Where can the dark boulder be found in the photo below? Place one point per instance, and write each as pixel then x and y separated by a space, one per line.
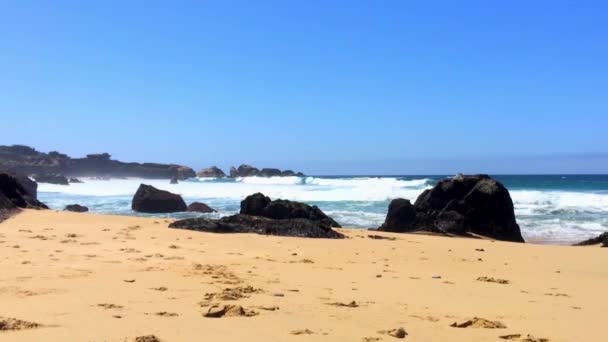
pixel 149 199
pixel 259 225
pixel 52 179
pixel 18 192
pixel 244 170
pixel 211 172
pixel 602 238
pixel 75 180
pixel 270 172
pixel 400 218
pixel 200 208
pixel 77 208
pixel 463 205
pixel 260 205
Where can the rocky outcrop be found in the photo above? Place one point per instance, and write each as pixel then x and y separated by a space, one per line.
pixel 249 171
pixel 75 180
pixel 463 205
pixel 77 208
pixel 260 205
pixel 211 172
pixel 18 192
pixel 200 208
pixel 259 225
pixel 149 199
pixel 26 160
pixel 52 179
pixel 600 239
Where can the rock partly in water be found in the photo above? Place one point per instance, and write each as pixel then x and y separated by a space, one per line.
pixel 600 239
pixel 239 223
pixel 200 208
pixel 211 172
pixel 149 199
pixel 52 179
pixel 463 205
pixel 75 180
pixel 77 208
pixel 18 192
pixel 173 180
pixel 260 205
pixel 245 170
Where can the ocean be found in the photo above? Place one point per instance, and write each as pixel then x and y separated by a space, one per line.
pixel 555 209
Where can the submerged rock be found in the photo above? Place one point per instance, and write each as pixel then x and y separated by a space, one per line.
pixel 52 179
pixel 200 208
pixel 77 208
pixel 211 172
pixel 75 180
pixel 239 223
pixel 18 192
pixel 462 205
pixel 149 199
pixel 260 205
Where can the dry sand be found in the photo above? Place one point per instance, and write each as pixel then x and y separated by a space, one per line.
pixel 86 277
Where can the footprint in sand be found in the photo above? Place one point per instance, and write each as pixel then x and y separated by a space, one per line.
pixel 229 311
pixel 520 338
pixel 302 332
pixel 397 333
pixel 477 322
pixel 147 338
pixel 16 324
pixel 352 304
pixel 493 280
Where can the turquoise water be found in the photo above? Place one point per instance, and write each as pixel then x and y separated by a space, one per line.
pixel 549 208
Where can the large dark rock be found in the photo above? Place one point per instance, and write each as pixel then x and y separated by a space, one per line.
pixel 149 199
pixel 200 208
pixel 211 172
pixel 463 205
pixel 26 160
pixel 249 171
pixel 75 180
pixel 401 217
pixel 260 205
pixel 52 179
pixel 602 238
pixel 18 192
pixel 259 225
pixel 77 208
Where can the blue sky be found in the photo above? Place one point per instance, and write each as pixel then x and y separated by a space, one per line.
pixel 327 87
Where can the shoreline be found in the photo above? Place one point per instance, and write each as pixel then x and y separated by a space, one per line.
pixel 79 274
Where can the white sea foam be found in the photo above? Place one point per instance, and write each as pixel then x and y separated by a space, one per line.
pixel 354 201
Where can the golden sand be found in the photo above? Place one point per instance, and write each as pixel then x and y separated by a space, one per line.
pixel 86 277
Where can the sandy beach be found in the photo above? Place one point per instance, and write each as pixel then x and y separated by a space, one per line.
pixel 88 277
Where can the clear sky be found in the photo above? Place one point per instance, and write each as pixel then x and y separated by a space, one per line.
pixel 326 87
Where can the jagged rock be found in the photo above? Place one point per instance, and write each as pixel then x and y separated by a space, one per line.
pixel 260 205
pixel 77 208
pixel 259 225
pixel 52 179
pixel 26 160
pixel 244 170
pixel 75 180
pixel 149 199
pixel 462 205
pixel 602 238
pixel 211 172
pixel 200 208
pixel 400 218
pixel 18 192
